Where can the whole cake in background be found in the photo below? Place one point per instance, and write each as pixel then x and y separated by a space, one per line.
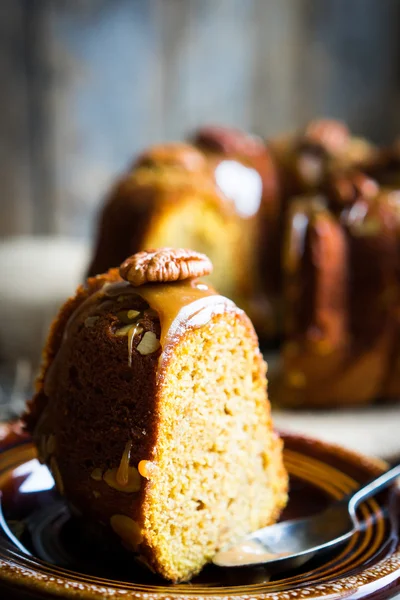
pixel 304 232
pixel 341 260
pixel 170 197
pixel 152 414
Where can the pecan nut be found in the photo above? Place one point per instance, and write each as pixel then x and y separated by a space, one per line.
pixel 164 265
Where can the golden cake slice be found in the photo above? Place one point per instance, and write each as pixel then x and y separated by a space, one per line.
pixel 152 413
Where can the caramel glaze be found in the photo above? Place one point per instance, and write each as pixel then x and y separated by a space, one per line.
pixel 133 332
pixel 341 327
pixel 179 305
pixel 122 476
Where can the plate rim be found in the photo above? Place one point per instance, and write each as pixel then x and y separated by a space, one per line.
pixel 379 578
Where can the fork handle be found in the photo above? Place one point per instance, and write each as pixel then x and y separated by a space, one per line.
pixel 371 488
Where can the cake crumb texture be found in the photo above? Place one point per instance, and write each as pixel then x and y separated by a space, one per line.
pixel 171 453
pixel 220 473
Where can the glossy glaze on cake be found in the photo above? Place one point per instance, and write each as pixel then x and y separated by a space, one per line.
pixel 151 412
pixel 320 187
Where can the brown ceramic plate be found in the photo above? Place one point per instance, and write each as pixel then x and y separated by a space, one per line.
pixel 46 553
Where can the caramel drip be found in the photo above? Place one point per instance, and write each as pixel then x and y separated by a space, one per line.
pixel 133 332
pixel 300 217
pixel 147 468
pixel 122 475
pixel 131 484
pixel 178 304
pixel 295 242
pixel 168 300
pixel 128 530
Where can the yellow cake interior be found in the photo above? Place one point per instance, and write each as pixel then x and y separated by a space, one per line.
pixel 219 469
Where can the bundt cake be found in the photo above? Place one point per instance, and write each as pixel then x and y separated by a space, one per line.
pixel 152 414
pixel 340 266
pixel 218 197
pixel 238 162
pixel 170 195
pixel 310 260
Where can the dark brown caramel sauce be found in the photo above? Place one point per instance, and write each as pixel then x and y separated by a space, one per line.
pixel 122 475
pixel 171 301
pixel 179 305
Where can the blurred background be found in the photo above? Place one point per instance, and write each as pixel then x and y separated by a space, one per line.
pixel 85 84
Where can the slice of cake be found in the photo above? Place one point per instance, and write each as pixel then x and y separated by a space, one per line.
pixel 152 413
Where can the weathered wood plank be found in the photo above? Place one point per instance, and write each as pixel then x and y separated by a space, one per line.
pixel 16 206
pixel 85 84
pixel 105 102
pixel 206 62
pixel 277 96
pixel 351 61
pixel 42 73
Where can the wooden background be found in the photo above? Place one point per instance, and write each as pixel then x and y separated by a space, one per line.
pixel 84 84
